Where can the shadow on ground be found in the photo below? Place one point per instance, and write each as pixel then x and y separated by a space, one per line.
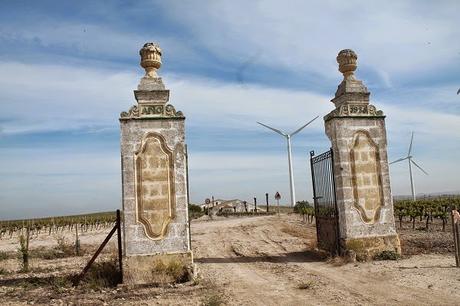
pixel 304 256
pixel 35 281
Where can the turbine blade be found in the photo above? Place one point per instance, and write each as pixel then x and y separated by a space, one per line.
pixel 398 160
pixel 301 128
pixel 273 129
pixel 410 146
pixel 418 166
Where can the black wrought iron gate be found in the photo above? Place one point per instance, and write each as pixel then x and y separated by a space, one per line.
pixel 326 215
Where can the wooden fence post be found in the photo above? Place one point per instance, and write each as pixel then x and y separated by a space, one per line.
pixel 77 241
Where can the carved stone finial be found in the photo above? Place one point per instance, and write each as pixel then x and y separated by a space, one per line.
pixel 150 59
pixel 350 90
pixel 347 63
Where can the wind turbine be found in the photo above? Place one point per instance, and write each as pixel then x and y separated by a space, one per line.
pixel 288 139
pixel 410 160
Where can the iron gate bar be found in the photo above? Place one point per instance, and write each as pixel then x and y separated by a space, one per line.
pixel 312 153
pixel 337 229
pixel 324 196
pixel 325 183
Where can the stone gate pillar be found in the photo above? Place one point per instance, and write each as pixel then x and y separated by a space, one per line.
pixel 358 135
pixel 154 179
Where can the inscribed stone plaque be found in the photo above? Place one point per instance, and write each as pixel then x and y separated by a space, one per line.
pixel 155 193
pixel 366 177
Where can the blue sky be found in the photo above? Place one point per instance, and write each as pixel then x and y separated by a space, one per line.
pixel 67 69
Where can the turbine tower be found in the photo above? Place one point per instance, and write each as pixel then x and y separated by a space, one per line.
pixel 288 139
pixel 410 160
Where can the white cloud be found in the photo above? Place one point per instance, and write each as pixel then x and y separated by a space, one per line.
pixel 50 97
pixel 400 38
pixel 75 42
pixel 211 103
pixel 437 125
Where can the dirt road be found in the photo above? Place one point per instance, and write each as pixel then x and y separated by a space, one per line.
pixel 266 260
pixel 243 261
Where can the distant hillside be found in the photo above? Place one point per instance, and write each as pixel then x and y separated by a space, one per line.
pixel 429 195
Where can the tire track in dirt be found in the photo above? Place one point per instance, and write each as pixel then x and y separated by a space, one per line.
pixel 256 261
pixel 249 284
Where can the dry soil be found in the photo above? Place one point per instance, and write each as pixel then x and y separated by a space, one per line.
pixel 251 261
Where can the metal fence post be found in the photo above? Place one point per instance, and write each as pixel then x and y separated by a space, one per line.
pixel 266 199
pixel 188 199
pixel 120 261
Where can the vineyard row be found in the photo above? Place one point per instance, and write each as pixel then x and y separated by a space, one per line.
pixel 423 210
pixel 58 224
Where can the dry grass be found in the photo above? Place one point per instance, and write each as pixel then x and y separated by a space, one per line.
pixel 4 255
pixel 102 274
pixel 213 299
pixel 51 253
pixel 63 249
pixel 57 284
pixel 63 245
pixel 170 271
pixel 387 255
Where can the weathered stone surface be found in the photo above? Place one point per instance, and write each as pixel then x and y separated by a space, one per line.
pixel 152 110
pixel 152 96
pixel 366 177
pixel 346 108
pixel 342 133
pixel 133 132
pixel 145 269
pixel 150 60
pixel 350 90
pixel 155 203
pixel 359 143
pixel 367 248
pixel 150 84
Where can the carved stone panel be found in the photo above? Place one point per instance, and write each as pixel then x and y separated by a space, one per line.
pixel 366 177
pixel 155 195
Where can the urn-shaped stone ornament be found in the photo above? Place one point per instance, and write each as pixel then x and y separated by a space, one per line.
pixel 347 63
pixel 150 59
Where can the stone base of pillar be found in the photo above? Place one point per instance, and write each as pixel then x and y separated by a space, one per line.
pixel 158 268
pixel 366 248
